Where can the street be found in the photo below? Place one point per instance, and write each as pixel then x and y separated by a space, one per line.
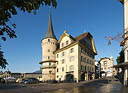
pixel 95 86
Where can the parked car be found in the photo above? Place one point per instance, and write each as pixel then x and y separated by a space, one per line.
pixel 2 80
pixel 20 80
pixel 10 80
pixel 31 81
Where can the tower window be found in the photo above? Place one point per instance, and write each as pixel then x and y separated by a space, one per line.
pixel 48 50
pixel 50 72
pixel 48 40
pixel 48 57
pixel 57 70
pixel 49 63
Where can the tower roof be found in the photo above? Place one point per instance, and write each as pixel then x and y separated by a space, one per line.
pixel 50 32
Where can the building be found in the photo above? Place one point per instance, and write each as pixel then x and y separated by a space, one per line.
pixel 106 65
pixel 124 43
pixel 19 75
pixel 69 58
pixel 97 69
pixel 32 75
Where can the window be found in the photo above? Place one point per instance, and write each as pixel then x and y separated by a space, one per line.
pixel 71 58
pixel 57 55
pixel 57 76
pixel 72 50
pixel 81 67
pixel 101 68
pixel 49 63
pixel 71 68
pixel 50 72
pixel 48 40
pixel 62 45
pixel 87 60
pixel 63 54
pixel 85 67
pixel 48 50
pixel 90 62
pixel 88 68
pixel 57 70
pixel 62 69
pixel 48 57
pixel 81 50
pixel 66 42
pixel 63 61
pixel 81 58
pixel 127 54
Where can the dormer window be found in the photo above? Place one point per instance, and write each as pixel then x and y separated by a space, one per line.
pixel 66 42
pixel 62 45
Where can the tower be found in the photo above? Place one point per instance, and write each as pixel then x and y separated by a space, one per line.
pixel 49 45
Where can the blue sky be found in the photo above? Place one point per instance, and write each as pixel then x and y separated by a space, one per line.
pixel 99 17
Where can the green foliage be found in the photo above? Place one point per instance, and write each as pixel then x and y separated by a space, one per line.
pixel 3 61
pixel 8 8
pixel 120 59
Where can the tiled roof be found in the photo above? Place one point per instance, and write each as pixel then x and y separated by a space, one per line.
pixel 50 32
pixel 81 36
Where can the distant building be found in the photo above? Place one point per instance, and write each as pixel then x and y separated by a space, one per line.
pixel 97 69
pixel 32 75
pixel 106 65
pixel 20 75
pixel 69 58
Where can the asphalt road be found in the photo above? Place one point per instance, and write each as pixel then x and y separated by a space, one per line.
pixel 99 86
pixel 96 86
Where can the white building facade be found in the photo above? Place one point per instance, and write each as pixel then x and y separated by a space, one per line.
pixel 106 66
pixel 69 58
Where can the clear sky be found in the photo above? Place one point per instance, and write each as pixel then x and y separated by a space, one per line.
pixel 99 17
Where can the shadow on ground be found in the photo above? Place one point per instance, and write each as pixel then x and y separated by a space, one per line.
pixel 10 86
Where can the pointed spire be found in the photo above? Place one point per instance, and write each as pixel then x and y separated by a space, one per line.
pixel 50 33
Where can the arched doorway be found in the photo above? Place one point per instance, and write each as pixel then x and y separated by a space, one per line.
pixel 69 77
pixel 102 74
pixel 83 76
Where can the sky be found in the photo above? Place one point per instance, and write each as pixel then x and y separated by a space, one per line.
pixel 99 17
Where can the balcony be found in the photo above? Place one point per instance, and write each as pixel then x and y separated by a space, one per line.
pixel 48 66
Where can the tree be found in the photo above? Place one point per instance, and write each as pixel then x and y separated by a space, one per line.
pixel 3 61
pixel 8 8
pixel 120 59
